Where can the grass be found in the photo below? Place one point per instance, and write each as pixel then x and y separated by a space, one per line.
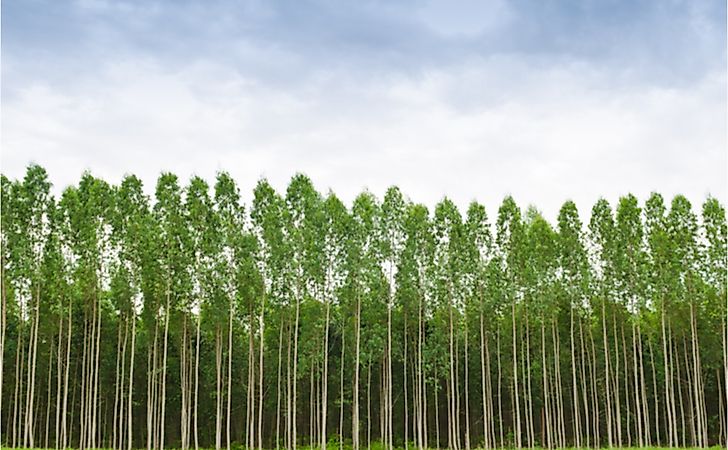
pixel 333 445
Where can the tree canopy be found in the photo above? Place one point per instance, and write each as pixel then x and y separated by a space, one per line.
pixel 191 320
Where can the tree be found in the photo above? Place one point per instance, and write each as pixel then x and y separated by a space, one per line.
pixel 574 282
pixel 261 330
pixel 415 291
pixel 509 237
pixel 363 270
pixel 392 234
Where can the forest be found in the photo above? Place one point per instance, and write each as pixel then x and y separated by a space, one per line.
pixel 187 319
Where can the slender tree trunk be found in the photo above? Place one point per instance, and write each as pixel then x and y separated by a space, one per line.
pixel 183 384
pixel 574 388
pixel 389 406
pixel 261 327
pixel 295 373
pixel 369 405
pixel 164 373
pixel 32 358
pixel 617 402
pixel 324 384
pixel 129 443
pixel 355 391
pixel 229 371
pixel 725 360
pixel 702 431
pixel 607 382
pixel 486 418
pixel 18 392
pixel 437 415
pixel 59 378
pixel 48 393
pixel 500 388
pixel 64 429
pixel 548 437
pixel 3 327
pixel 341 395
pixel 637 390
pixel 655 393
pixel 452 382
pixel 627 397
pixel 466 388
pixel 114 442
pixel 96 398
pixel 218 389
pixel 643 386
pixel 529 396
pixel 595 391
pixel 516 401
pixel 278 384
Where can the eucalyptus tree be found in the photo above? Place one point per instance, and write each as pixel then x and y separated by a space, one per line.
pixel 415 294
pixel 540 277
pixel 713 267
pixel 335 234
pixel 683 229
pixel 50 320
pixel 87 217
pixel 392 233
pixel 269 216
pixel 240 248
pixel 131 223
pixel 478 259
pixel 202 227
pixel 509 240
pixel 122 296
pixel 68 241
pixel 602 234
pixel 309 246
pixel 449 277
pixel 302 202
pixel 630 264
pixel 32 215
pixel 363 278
pixel 10 236
pixel 174 289
pixel 574 277
pixel 373 317
pixel 661 283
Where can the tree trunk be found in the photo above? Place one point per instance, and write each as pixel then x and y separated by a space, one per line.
pixel 260 374
pixel 341 395
pixel 324 384
pixel 607 382
pixel 355 391
pixel 129 444
pixel 516 401
pixel 229 372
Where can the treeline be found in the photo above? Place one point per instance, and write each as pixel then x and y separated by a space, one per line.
pixel 192 320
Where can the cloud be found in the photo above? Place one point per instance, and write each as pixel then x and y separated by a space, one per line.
pixel 488 128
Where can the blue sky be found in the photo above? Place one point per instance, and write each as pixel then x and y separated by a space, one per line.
pixel 544 100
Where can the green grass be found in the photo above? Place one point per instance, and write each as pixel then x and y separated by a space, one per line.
pixel 333 445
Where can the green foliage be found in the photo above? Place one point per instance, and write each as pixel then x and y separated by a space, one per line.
pixel 613 332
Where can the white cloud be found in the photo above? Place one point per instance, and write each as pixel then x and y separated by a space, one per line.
pixel 479 131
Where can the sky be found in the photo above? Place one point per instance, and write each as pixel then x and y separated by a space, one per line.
pixel 543 100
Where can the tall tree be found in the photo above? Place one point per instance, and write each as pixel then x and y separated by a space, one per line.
pixel 392 234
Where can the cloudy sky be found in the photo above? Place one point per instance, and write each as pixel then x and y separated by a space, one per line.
pixel 544 100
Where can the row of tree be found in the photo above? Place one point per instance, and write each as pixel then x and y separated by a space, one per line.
pixel 191 321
